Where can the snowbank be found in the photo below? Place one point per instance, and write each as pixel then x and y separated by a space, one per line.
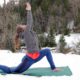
pixel 70 40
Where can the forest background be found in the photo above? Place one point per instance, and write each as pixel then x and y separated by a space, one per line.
pixel 51 17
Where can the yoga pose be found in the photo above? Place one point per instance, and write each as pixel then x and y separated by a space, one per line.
pixel 33 54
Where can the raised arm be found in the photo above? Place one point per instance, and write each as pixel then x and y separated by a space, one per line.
pixel 29 16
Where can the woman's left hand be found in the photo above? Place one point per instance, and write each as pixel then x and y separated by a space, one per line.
pixel 28 6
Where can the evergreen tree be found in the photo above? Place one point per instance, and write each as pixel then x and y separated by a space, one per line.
pixel 62 44
pixel 65 29
pixel 41 40
pixel 50 42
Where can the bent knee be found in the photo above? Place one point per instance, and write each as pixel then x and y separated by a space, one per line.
pixel 46 50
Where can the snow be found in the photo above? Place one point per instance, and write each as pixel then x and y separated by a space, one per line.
pixel 2 2
pixel 72 60
pixel 70 40
pixel 60 59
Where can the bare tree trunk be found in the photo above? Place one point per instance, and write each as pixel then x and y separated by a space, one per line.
pixel 5 24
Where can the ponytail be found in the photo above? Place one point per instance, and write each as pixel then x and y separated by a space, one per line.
pixel 16 42
pixel 17 39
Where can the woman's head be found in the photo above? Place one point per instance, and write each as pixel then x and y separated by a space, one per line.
pixel 19 30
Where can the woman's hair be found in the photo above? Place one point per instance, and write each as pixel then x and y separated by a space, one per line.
pixel 19 29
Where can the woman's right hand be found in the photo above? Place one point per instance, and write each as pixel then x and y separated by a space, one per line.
pixel 28 6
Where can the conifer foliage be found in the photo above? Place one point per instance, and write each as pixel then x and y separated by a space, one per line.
pixel 62 44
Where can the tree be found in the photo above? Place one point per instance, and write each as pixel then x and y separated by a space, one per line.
pixel 8 21
pixel 62 44
pixel 51 38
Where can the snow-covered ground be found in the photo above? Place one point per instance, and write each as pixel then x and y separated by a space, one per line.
pixel 72 60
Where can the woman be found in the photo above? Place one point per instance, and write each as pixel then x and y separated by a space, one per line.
pixel 34 54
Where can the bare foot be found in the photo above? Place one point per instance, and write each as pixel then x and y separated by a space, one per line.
pixel 56 69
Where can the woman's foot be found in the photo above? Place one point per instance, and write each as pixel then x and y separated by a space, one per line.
pixel 56 69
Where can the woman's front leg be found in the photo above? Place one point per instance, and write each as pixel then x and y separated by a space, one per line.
pixel 47 53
